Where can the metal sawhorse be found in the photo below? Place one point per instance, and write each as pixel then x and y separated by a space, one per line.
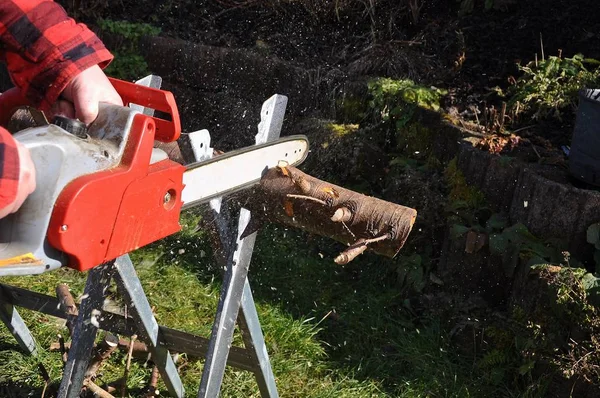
pixel 235 255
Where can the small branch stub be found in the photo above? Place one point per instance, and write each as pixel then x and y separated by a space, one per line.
pixel 352 252
pixel 343 214
pixel 304 197
pixel 358 248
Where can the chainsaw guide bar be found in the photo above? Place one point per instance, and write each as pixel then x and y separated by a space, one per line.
pixel 237 170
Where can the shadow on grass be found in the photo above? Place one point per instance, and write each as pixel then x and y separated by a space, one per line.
pixel 14 390
pixel 364 321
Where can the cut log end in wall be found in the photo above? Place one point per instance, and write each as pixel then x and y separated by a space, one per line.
pixel 289 196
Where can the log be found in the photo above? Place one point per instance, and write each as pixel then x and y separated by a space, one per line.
pixel 287 195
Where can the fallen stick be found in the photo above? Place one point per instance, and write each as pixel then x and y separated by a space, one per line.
pixel 97 390
pixel 289 196
pixel 152 392
pixel 67 305
pixel 103 350
pixel 127 367
pixel 140 350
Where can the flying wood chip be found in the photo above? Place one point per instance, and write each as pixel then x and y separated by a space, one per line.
pixel 331 192
pixel 289 208
pixel 282 165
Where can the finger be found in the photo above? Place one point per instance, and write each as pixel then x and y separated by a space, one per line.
pixel 63 108
pixel 86 109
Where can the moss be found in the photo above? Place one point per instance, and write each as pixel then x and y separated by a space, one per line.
pixel 351 108
pixel 459 189
pixel 342 130
pixel 415 138
pixel 450 119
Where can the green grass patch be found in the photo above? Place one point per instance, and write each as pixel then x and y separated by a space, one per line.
pixel 331 331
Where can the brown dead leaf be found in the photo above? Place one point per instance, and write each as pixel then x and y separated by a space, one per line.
pixel 475 241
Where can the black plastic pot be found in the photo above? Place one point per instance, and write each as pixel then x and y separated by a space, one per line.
pixel 584 156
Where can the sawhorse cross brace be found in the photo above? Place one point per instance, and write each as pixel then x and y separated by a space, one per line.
pixel 236 294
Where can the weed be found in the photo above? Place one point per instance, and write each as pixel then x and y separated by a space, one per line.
pixel 397 100
pixel 549 87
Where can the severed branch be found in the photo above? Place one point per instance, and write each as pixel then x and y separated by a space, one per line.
pixel 289 196
pixel 97 390
pixel 152 390
pixel 127 366
pixel 67 305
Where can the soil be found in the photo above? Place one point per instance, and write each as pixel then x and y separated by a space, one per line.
pixel 466 54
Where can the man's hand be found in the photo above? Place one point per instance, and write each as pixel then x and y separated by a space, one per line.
pixel 84 92
pixel 26 181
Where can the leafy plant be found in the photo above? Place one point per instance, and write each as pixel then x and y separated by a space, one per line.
pixel 129 30
pixel 550 86
pixel 397 100
pixel 411 272
pixel 128 63
pixel 517 243
pixel 593 237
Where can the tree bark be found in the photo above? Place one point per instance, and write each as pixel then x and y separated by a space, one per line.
pixel 289 196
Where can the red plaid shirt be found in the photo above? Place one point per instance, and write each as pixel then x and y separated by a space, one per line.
pixel 43 49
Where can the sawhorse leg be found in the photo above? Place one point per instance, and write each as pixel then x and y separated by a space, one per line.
pixel 236 290
pixel 86 326
pixel 235 293
pixel 254 342
pixel 132 292
pixel 85 330
pixel 15 324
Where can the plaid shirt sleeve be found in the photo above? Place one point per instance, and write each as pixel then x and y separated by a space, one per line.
pixel 44 48
pixel 9 169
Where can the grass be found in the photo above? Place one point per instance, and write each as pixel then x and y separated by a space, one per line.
pixel 331 331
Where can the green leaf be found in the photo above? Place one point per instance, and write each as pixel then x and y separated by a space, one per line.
pixel 415 279
pixel 496 222
pixel 510 260
pixel 498 244
pixel 593 234
pixel 526 368
pixel 458 230
pixel 538 249
pixel 591 284
pixel 536 262
pixel 519 232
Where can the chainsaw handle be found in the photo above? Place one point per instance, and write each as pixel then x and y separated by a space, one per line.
pixel 131 93
pixel 153 98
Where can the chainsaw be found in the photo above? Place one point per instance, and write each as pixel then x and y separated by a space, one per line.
pixel 104 190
